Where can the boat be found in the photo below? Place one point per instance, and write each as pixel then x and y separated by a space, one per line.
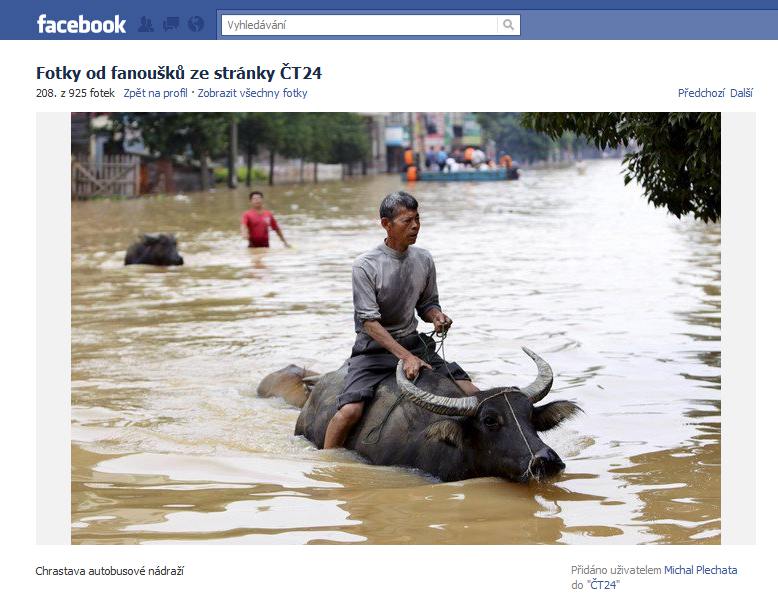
pixel 499 174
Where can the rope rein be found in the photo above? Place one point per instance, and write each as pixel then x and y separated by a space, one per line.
pixel 379 428
pixel 439 347
pixel 528 471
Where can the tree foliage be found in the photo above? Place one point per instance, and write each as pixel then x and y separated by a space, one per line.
pixel 327 137
pixel 332 138
pixel 341 137
pixel 525 144
pixel 678 160
pixel 168 134
pixel 202 135
pixel 252 129
pixel 521 143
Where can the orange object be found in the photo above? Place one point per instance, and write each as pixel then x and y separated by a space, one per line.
pixel 408 157
pixel 411 174
pixel 468 154
pixel 506 161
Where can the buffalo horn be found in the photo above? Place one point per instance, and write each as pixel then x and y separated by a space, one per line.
pixel 542 384
pixel 447 406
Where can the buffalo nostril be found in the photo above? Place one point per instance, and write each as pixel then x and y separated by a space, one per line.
pixel 546 462
pixel 548 454
pixel 542 467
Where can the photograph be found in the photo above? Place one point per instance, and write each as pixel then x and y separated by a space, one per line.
pixel 391 328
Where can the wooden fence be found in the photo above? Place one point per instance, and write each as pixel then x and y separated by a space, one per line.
pixel 112 176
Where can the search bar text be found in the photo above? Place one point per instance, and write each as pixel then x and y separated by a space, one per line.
pixel 329 25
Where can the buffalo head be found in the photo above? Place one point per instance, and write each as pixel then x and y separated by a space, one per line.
pixel 497 430
pixel 158 250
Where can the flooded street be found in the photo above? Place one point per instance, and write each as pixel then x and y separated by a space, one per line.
pixel 171 445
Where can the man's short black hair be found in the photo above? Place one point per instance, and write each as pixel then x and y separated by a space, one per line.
pixel 396 200
pixel 257 193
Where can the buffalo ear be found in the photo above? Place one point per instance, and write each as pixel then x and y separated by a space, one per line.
pixel 552 414
pixel 446 431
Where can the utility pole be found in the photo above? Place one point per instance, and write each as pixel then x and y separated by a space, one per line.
pixel 233 154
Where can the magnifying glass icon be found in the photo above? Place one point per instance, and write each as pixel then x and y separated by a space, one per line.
pixel 508 24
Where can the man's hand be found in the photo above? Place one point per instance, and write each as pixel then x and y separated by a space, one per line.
pixel 441 322
pixel 412 365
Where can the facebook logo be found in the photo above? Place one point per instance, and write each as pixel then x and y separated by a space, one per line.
pixel 81 25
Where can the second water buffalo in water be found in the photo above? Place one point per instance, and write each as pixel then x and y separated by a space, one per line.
pixel 428 424
pixel 157 250
pixel 292 383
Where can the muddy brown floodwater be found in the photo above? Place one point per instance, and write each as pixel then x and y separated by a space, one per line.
pixel 171 444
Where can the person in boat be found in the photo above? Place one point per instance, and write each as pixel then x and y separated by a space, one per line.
pixel 430 158
pixel 408 159
pixel 441 158
pixel 477 158
pixel 467 157
pixel 392 283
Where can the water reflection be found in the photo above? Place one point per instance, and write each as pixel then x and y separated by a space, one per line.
pixel 171 444
pixel 680 495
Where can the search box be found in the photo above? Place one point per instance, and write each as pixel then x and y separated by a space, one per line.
pixel 374 25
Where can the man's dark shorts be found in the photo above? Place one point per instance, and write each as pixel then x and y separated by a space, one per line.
pixel 370 364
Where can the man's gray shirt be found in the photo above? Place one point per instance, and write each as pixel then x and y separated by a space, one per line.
pixel 389 286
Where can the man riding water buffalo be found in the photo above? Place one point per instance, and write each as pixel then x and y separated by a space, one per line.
pixel 396 402
pixel 390 283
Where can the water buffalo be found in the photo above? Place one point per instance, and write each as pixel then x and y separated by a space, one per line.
pixel 159 250
pixel 292 383
pixel 429 424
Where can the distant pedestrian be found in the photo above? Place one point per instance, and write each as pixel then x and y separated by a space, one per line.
pixel 256 223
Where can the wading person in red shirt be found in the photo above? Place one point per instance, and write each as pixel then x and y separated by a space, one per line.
pixel 257 222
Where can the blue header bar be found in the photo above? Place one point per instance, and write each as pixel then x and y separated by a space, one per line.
pixel 540 19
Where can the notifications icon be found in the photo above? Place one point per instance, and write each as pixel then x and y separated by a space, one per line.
pixel 196 23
